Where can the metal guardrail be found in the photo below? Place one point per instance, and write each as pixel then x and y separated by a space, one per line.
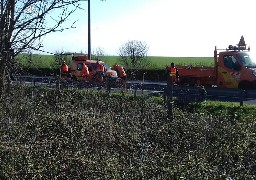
pixel 160 88
pixel 216 92
pixel 189 93
pixel 213 91
pixel 42 79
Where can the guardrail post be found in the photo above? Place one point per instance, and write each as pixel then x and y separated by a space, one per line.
pixel 57 85
pixel 49 82
pixel 203 93
pixel 169 94
pixel 135 90
pixel 108 84
pixel 142 88
pixel 67 83
pixel 242 97
pixel 142 85
pixel 165 96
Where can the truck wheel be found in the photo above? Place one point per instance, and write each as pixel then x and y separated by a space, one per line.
pixel 182 82
pixel 254 85
pixel 244 85
pixel 73 78
pixel 192 82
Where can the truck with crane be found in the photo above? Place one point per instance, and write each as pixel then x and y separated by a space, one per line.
pixel 233 68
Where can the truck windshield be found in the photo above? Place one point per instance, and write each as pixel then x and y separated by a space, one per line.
pixel 106 66
pixel 246 60
pixel 94 65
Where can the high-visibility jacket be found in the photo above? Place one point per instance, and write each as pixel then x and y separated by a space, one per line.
pixel 100 72
pixel 64 68
pixel 172 71
pixel 120 70
pixel 85 70
pixel 100 67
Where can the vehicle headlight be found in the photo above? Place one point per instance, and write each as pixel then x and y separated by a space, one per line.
pixel 254 73
pixel 114 74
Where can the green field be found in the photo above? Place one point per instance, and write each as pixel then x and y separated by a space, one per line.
pixel 157 62
pixel 37 61
pixel 161 62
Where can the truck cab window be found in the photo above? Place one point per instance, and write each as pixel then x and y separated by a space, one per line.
pixel 106 66
pixel 79 66
pixel 227 61
pixel 90 68
pixel 231 63
pixel 246 60
pixel 94 66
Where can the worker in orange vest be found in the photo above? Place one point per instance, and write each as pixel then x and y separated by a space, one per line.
pixel 64 70
pixel 100 71
pixel 85 72
pixel 120 72
pixel 173 72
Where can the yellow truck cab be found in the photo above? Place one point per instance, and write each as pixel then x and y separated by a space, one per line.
pixel 233 68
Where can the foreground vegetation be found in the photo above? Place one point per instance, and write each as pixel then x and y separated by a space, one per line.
pixel 49 61
pixel 90 135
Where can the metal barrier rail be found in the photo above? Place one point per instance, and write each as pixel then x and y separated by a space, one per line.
pixel 213 93
pixel 36 79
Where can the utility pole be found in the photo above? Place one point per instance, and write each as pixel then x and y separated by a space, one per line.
pixel 89 29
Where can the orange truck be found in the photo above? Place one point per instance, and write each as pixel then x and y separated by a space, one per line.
pixel 233 68
pixel 77 64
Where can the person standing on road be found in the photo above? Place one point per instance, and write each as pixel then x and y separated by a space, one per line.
pixel 64 70
pixel 121 74
pixel 85 72
pixel 173 72
pixel 100 71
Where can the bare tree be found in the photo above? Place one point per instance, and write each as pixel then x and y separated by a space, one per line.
pixel 133 54
pixel 24 23
pixel 98 53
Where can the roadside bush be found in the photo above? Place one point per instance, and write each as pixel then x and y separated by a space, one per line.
pixel 90 135
pixel 226 109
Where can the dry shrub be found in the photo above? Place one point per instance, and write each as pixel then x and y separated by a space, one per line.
pixel 91 135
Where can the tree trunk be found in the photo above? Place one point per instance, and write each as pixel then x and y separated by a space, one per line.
pixel 2 77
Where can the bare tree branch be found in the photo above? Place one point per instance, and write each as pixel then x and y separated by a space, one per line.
pixel 133 54
pixel 23 24
pixel 32 21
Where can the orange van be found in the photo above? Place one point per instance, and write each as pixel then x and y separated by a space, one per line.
pixel 77 64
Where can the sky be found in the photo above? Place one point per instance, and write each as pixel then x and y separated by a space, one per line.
pixel 170 28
